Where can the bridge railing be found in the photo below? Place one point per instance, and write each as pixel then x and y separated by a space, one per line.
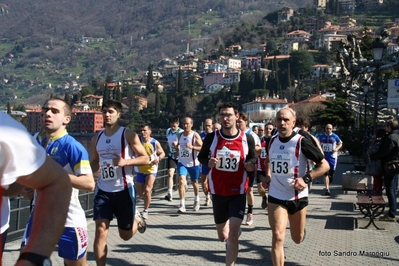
pixel 20 207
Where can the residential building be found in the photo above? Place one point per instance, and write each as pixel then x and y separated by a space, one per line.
pixel 233 63
pixel 285 14
pixel 82 121
pixel 89 121
pixel 93 100
pixel 212 88
pixel 297 36
pixel 320 70
pixel 253 62
pixel 372 4
pixel 346 21
pixel 264 108
pixel 321 3
pixel 138 103
pixel 234 49
pixel 213 78
pixel 202 66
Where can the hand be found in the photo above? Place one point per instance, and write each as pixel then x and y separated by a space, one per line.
pixel 27 193
pixel 212 162
pixel 156 160
pixel 299 184
pixel 189 145
pixel 119 161
pixel 266 183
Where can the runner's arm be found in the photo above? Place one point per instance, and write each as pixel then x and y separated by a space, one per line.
pixel 204 155
pixel 95 159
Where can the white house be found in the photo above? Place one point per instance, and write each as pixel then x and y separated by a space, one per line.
pixel 264 108
pixel 212 88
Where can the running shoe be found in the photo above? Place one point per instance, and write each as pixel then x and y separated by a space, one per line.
pixel 207 201
pixel 196 206
pixel 327 192
pixel 141 224
pixel 181 209
pixel 250 219
pixel 168 197
pixel 144 214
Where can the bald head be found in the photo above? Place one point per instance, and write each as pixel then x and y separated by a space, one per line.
pixel 208 125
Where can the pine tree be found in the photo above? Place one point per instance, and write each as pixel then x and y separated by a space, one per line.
pixel 157 102
pixel 67 98
pixel 150 79
pixel 8 108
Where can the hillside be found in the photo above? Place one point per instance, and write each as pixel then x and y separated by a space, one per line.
pixel 47 34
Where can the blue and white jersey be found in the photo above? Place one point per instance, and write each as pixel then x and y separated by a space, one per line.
pixel 73 157
pixel 328 144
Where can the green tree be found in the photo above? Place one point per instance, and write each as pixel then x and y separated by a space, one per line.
pixel 8 108
pixel 336 113
pixel 150 79
pixel 67 98
pixel 157 102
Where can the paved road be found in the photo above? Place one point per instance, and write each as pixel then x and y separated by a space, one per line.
pixel 190 238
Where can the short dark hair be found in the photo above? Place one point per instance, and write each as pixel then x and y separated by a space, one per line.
pixel 174 119
pixel 302 121
pixel 67 107
pixel 112 104
pixel 229 105
pixel 146 125
pixel 244 116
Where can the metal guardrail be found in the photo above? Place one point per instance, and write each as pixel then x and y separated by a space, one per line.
pixel 20 207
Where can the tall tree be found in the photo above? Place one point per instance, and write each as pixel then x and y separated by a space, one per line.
pixel 150 79
pixel 157 102
pixel 67 98
pixel 8 108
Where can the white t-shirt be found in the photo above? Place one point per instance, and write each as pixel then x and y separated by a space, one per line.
pixel 20 154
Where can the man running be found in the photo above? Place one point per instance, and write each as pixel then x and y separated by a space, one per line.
pixel 40 172
pixel 171 147
pixel 230 153
pixel 242 124
pixel 146 174
pixel 330 143
pixel 189 144
pixel 116 150
pixel 204 168
pixel 287 178
pixel 73 157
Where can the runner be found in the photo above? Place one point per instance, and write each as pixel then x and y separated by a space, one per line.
pixel 230 153
pixel 204 168
pixel 171 147
pixel 189 144
pixel 116 150
pixel 146 174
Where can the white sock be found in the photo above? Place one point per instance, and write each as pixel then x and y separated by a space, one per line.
pixel 170 191
pixel 182 202
pixel 196 198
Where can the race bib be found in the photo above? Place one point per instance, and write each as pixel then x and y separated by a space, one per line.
pixel 185 153
pixel 228 160
pixel 327 147
pixel 108 170
pixel 263 153
pixel 281 164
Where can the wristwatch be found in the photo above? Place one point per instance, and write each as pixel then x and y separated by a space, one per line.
pixel 307 178
pixel 36 259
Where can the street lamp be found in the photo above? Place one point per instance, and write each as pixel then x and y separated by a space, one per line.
pixel 378 52
pixel 365 90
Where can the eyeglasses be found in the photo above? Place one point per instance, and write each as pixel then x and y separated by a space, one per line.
pixel 226 115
